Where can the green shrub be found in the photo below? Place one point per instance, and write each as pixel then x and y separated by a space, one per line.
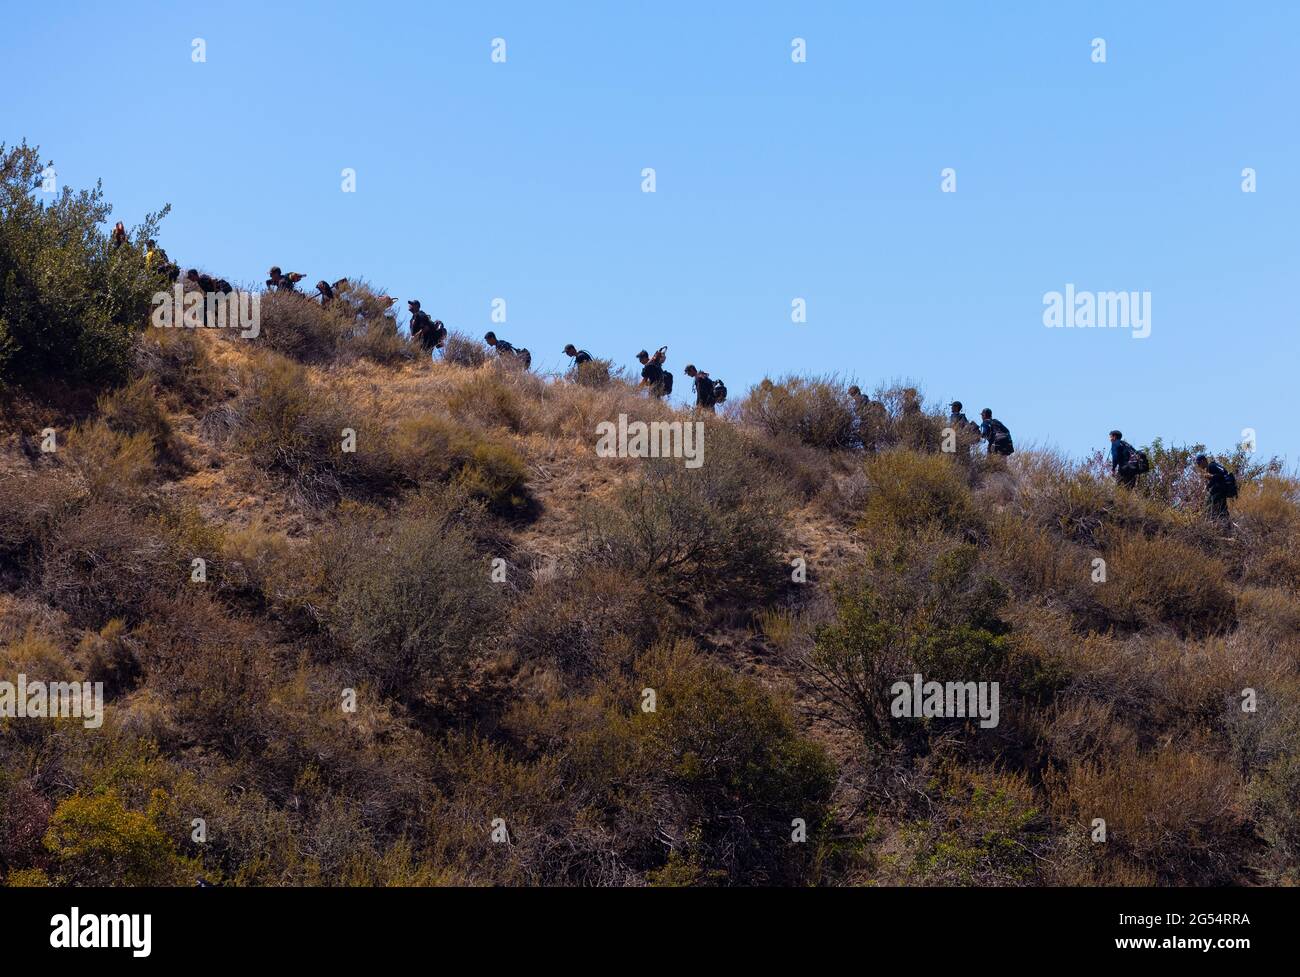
pixel 987 829
pixel 70 304
pixel 430 449
pixel 294 429
pixel 909 491
pixel 587 624
pixel 1159 580
pixel 927 608
pixel 810 411
pixel 722 772
pixel 697 534
pixel 412 606
pixel 95 840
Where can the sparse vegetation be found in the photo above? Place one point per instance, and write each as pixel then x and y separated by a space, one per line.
pixel 356 603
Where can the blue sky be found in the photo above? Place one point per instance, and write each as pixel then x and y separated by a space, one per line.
pixel 775 181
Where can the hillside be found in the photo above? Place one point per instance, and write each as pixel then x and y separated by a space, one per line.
pixel 521 700
pixel 366 618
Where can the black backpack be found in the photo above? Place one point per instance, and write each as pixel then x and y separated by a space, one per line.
pixel 524 357
pixel 1001 443
pixel 666 382
pixel 719 391
pixel 1137 460
pixel 1229 485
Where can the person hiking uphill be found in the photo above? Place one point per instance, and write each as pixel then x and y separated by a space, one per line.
pixel 504 349
pixel 959 421
pixel 155 259
pixel 1126 462
pixel 708 392
pixel 430 332
pixel 995 433
pixel 119 235
pixel 579 356
pixel 653 374
pixel 1220 486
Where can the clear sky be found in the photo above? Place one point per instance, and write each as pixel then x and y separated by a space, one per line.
pixel 775 180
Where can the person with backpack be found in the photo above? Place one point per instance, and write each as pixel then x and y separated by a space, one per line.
pixel 1126 462
pixel 430 332
pixel 119 235
pixel 996 434
pixel 1220 486
pixel 653 374
pixel 504 349
pixel 708 392
pixel 579 356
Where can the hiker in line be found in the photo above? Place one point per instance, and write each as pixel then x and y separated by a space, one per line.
pixel 206 283
pixel 996 433
pixel 708 392
pixel 326 292
pixel 579 356
pixel 119 235
pixel 967 431
pixel 872 418
pixel 504 349
pixel 653 374
pixel 1220 486
pixel 958 420
pixel 430 332
pixel 283 283
pixel 155 258
pixel 1123 461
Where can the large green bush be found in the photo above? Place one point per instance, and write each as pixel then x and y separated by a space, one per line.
pixel 70 303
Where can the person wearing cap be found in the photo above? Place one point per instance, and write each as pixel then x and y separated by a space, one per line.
pixel 430 332
pixel 579 356
pixel 519 355
pixel 995 433
pixel 653 374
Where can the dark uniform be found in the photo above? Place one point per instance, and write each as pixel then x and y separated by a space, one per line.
pixel 1123 464
pixel 1217 490
pixel 704 391
pixel 997 435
